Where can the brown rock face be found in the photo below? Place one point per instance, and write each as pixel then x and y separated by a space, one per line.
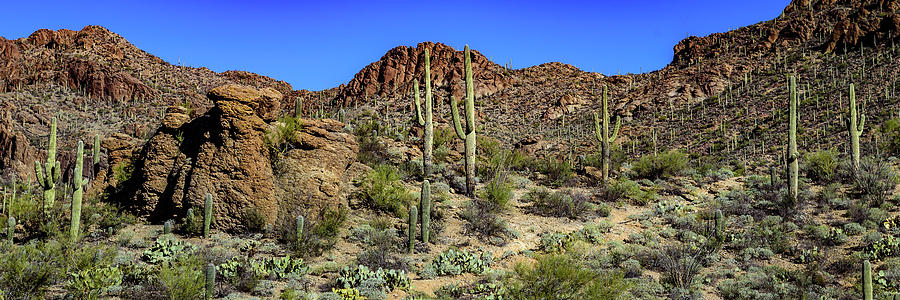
pixel 16 153
pixel 394 73
pixel 224 153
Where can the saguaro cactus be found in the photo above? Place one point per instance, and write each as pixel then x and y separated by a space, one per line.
pixel 78 182
pixel 428 120
pixel 413 213
pixel 96 155
pixel 426 210
pixel 855 129
pixel 792 154
pixel 469 133
pixel 49 173
pixel 867 280
pixel 720 225
pixel 603 134
pixel 210 280
pixel 207 214
pixel 167 227
pixel 189 221
pixel 299 229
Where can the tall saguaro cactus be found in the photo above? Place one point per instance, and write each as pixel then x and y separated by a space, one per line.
pixel 428 120
pixel 96 155
pixel 469 133
pixel 867 280
pixel 49 173
pixel 413 214
pixel 855 129
pixel 78 182
pixel 210 280
pixel 425 203
pixel 792 154
pixel 603 134
pixel 207 214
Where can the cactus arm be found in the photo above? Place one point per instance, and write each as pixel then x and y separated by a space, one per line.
pixel 597 127
pixel 615 132
pixel 417 101
pixel 470 94
pixel 862 122
pixel 454 112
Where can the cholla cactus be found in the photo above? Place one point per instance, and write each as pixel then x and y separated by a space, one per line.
pixel 469 133
pixel 49 173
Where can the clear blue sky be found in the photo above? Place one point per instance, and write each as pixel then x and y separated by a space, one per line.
pixel 317 45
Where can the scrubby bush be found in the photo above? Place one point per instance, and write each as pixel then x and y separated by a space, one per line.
pixel 380 243
pixel 567 204
pixel 890 129
pixel 874 181
pixel 182 278
pixel 383 190
pixel 629 191
pixel 556 276
pixel 558 171
pixel 660 166
pixel 482 219
pixel 319 235
pixel 497 192
pixel 821 166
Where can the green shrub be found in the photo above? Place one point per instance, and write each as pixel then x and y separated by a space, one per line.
pixel 556 276
pixel 383 190
pixel 567 204
pixel 874 181
pixel 558 171
pixel 380 243
pixel 890 129
pixel 27 271
pixel 660 166
pixel 283 136
pixel 182 278
pixel 630 191
pixel 482 219
pixel 253 220
pixel 455 262
pixel 821 166
pixel 320 235
pixel 498 192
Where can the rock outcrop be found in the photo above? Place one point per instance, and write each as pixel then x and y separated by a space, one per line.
pixel 394 73
pixel 225 153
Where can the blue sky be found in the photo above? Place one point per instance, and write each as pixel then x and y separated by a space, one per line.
pixel 318 45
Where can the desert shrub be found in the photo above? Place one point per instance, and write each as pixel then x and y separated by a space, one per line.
pixel 380 241
pixel 874 181
pixel 106 217
pixel 283 136
pixel 320 235
pixel 555 276
pixel 887 246
pixel 455 262
pixel 821 166
pixel 827 235
pixel 28 270
pixel 617 156
pixel 371 150
pixel 769 282
pixel 890 129
pixel 629 191
pixel 368 281
pixel 854 229
pixel 482 219
pixel 660 166
pixel 553 242
pixel 567 204
pixel 497 192
pixel 182 278
pixel 680 264
pixel 383 190
pixel 253 220
pixel 558 171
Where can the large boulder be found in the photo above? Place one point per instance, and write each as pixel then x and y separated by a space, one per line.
pixel 225 153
